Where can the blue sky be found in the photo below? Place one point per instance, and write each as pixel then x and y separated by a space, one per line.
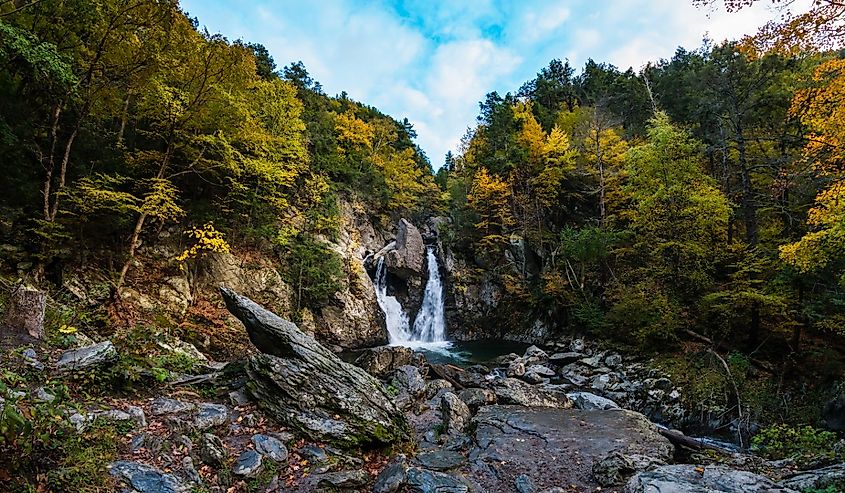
pixel 432 61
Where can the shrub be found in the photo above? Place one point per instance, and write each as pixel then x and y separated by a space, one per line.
pixel 804 444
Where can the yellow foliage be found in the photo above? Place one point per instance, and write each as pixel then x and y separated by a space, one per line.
pixel 490 199
pixel 353 133
pixel 205 240
pixel 822 110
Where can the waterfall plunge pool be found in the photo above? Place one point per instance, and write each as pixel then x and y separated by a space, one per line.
pixel 458 353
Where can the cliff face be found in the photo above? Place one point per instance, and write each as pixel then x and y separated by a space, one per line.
pixel 353 318
pixel 478 303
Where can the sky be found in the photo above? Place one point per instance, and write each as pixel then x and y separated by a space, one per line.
pixel 432 61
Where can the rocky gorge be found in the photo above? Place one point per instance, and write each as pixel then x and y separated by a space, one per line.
pixel 296 417
pixel 566 414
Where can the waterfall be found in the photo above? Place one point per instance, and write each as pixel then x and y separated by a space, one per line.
pixel 398 328
pixel 430 324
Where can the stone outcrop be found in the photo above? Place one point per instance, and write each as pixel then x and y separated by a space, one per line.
pixel 406 257
pixel 307 387
pixel 554 447
pixel 687 478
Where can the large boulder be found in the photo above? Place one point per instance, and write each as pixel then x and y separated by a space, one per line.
pixel 817 479
pixel 687 478
pixel 513 391
pixel 383 361
pixel 407 256
pixel 307 387
pixel 554 447
pixel 93 356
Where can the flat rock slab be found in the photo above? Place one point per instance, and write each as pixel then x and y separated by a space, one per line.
pixel 555 447
pixel 686 478
pixel 440 460
pixel 146 479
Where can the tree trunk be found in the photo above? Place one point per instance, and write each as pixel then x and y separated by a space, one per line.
pixel 26 311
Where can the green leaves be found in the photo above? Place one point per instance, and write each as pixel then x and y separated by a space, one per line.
pixel 39 59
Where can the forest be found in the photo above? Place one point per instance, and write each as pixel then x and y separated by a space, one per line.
pixel 690 213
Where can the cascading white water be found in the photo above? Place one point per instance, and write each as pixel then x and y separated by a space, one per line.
pixel 398 327
pixel 430 325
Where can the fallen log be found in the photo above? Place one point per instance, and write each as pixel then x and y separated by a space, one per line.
pixel 680 440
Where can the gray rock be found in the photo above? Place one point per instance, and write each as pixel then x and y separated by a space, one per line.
pixel 113 415
pixel 190 471
pixel 475 398
pixel 434 387
pixel 137 415
pixel 565 358
pixel 316 454
pixel 146 479
pixel 516 368
pixel 407 257
pixel 513 391
pixel 613 360
pixel 41 394
pixel 80 421
pixel 687 478
pixel 588 401
pixel 238 398
pixel 534 378
pixel 440 460
pixel 382 361
pixel 524 484
pixel 344 479
pixel 540 370
pixel 211 450
pixel 164 405
pixel 270 447
pixel 249 464
pixel 306 386
pixel 393 476
pixel 556 446
pixel 423 481
pixel 817 479
pixel 534 354
pixel 211 415
pixel 455 413
pixel 31 359
pixel 577 345
pixel 410 379
pixel 616 467
pixel 99 354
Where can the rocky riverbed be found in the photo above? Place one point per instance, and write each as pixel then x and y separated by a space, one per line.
pixel 295 417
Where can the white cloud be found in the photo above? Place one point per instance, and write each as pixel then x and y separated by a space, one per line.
pixel 433 61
